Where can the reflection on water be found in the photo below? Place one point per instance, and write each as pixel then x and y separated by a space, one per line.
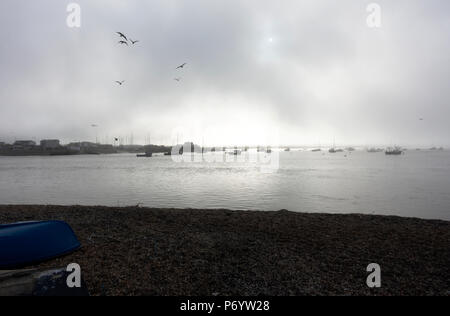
pixel 416 184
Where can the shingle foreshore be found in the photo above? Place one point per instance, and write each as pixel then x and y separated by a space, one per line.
pixel 143 251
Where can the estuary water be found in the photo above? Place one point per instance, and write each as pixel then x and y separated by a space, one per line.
pixel 416 184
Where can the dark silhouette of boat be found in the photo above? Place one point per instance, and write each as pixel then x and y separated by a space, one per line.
pixel 146 155
pixel 235 152
pixel 266 150
pixel 395 151
pixel 333 149
pixel 374 150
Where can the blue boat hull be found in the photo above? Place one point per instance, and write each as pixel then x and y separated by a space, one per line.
pixel 23 244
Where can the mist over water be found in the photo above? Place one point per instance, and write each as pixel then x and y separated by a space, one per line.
pixel 416 184
pixel 310 71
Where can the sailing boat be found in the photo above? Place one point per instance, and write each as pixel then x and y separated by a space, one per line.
pixel 394 151
pixel 333 150
pixel 315 150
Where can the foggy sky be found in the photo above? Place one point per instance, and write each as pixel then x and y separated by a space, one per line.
pixel 280 72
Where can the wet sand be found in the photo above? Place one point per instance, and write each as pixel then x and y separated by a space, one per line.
pixel 140 251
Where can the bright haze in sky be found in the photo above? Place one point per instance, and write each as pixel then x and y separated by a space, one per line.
pixel 258 72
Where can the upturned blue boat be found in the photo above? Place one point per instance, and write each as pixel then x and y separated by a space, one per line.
pixel 27 243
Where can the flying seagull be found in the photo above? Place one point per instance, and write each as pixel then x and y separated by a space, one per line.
pixel 120 82
pixel 123 42
pixel 177 79
pixel 181 66
pixel 123 36
pixel 133 42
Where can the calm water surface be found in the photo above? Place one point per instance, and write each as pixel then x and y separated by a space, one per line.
pixel 416 184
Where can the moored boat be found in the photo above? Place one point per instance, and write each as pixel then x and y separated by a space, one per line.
pixel 374 150
pixel 148 155
pixel 394 151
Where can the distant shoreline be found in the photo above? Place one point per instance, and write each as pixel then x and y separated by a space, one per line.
pixel 167 150
pixel 143 251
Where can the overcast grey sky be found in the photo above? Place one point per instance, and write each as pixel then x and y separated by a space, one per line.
pixel 286 72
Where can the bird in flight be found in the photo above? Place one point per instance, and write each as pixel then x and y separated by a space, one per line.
pixel 177 79
pixel 133 42
pixel 123 42
pixel 120 82
pixel 181 66
pixel 123 36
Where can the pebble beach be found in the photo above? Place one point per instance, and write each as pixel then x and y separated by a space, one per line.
pixel 142 251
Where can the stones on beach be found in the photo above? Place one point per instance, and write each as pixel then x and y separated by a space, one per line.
pixel 141 251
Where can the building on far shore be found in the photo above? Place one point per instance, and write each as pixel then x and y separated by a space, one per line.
pixel 91 148
pixel 47 144
pixel 53 147
pixel 24 144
